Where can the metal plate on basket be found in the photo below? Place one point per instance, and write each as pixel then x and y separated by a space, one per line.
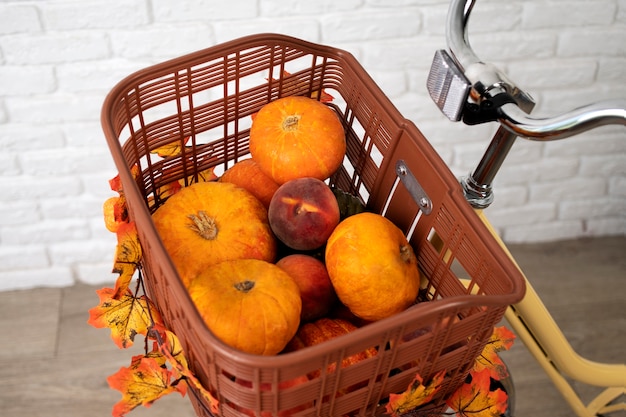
pixel 413 186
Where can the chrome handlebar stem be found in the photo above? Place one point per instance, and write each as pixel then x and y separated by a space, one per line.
pixel 458 77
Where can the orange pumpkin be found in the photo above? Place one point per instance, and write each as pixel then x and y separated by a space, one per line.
pixel 295 137
pixel 372 266
pixel 324 329
pixel 249 304
pixel 210 222
pixel 247 174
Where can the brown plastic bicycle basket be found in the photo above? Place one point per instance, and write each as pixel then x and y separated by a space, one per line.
pixel 204 101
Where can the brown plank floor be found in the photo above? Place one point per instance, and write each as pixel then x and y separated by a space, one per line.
pixel 53 364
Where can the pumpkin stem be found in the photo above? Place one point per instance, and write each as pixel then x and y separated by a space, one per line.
pixel 291 122
pixel 244 286
pixel 204 225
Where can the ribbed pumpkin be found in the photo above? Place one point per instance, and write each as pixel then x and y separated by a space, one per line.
pixel 372 266
pixel 209 222
pixel 249 304
pixel 322 330
pixel 294 137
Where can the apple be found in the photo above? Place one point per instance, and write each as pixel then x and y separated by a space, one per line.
pixel 303 213
pixel 316 290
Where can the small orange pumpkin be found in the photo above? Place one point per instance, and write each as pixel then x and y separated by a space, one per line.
pixel 294 137
pixel 322 330
pixel 372 266
pixel 249 304
pixel 210 222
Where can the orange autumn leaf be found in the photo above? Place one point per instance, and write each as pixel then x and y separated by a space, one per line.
pixel 417 394
pixel 206 175
pixel 474 399
pixel 170 189
pixel 127 256
pixel 126 316
pixel 501 339
pixel 116 182
pixel 171 348
pixel 115 212
pixel 142 383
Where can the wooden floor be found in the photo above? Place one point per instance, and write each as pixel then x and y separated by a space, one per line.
pixel 53 364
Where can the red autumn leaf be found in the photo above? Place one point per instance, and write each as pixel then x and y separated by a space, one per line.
pixel 501 339
pixel 417 394
pixel 126 316
pixel 474 399
pixel 142 383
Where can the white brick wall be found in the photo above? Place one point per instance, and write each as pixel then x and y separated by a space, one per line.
pixel 58 59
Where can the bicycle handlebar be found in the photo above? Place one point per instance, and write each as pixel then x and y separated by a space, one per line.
pixel 459 75
pixel 487 82
pixel 568 124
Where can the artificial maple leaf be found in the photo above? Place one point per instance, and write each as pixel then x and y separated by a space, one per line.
pixel 142 383
pixel 416 394
pixel 168 190
pixel 171 149
pixel 170 347
pixel 116 182
pixel 206 175
pixel 127 256
pixel 474 399
pixel 115 212
pixel 126 316
pixel 168 344
pixel 501 339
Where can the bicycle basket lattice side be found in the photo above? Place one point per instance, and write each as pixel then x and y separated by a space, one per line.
pixel 207 98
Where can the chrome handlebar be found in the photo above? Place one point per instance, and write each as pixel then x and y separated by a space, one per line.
pixel 574 122
pixel 487 81
pixel 464 87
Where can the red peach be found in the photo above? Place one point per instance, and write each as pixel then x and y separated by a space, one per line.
pixel 316 289
pixel 303 213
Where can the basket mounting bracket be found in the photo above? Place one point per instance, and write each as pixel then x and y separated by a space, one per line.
pixel 413 186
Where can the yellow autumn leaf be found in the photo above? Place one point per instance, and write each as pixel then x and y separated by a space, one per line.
pixel 171 149
pixel 142 383
pixel 126 316
pixel 474 399
pixel 501 339
pixel 169 345
pixel 127 256
pixel 417 394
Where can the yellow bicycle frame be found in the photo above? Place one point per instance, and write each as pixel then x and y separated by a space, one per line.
pixel 534 325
